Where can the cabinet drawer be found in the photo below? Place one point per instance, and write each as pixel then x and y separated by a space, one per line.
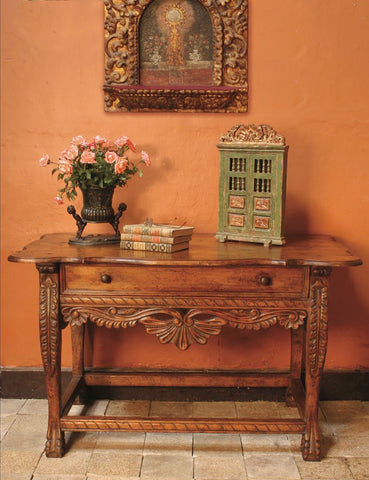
pixel 136 280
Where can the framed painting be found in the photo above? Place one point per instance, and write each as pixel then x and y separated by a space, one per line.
pixel 176 55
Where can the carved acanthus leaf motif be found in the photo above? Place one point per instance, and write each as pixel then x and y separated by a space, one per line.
pixel 256 319
pixel 318 322
pixel 183 327
pixel 252 134
pixel 49 321
pixel 109 317
pixel 183 331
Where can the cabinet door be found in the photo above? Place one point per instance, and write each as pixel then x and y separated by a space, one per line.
pixel 236 191
pixel 262 187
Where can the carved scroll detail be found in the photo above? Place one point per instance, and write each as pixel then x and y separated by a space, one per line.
pixel 205 100
pixel 256 319
pixel 252 134
pixel 183 327
pixel 116 40
pixel 49 322
pixel 318 324
pixel 234 15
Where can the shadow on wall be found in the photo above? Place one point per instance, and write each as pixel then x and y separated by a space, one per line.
pixel 347 315
pixel 296 218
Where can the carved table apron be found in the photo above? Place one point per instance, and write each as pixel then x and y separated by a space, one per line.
pixel 185 298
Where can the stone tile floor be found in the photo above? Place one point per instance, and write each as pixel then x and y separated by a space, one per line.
pixel 157 456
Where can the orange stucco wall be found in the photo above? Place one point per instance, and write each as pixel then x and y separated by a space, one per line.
pixel 308 75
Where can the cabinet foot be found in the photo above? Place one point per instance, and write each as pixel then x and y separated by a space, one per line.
pixel 310 445
pixel 55 447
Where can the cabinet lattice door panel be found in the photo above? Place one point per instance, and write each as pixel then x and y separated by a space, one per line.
pixel 252 184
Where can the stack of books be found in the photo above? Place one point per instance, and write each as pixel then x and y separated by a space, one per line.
pixel 156 237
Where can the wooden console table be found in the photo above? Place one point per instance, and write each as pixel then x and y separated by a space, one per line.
pixel 185 298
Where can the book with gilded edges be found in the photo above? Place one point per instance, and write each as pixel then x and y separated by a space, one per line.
pixel 158 230
pixel 154 247
pixel 137 237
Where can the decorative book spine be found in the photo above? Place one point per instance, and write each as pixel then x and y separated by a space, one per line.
pixel 157 231
pixel 153 239
pixel 153 247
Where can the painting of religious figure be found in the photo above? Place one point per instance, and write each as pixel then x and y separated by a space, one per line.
pixel 176 44
pixel 176 55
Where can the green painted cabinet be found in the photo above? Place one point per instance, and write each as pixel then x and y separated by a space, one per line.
pixel 252 185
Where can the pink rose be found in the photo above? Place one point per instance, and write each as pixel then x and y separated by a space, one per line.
pixel 62 154
pixel 88 157
pixel 79 140
pixel 65 166
pixel 99 139
pixel 110 157
pixel 44 160
pixel 122 141
pixel 71 153
pixel 121 164
pixel 59 200
pixel 146 158
pixel 111 145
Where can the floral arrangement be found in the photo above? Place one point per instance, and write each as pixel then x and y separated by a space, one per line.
pixel 101 163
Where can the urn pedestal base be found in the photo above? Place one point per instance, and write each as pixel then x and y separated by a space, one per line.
pixel 99 239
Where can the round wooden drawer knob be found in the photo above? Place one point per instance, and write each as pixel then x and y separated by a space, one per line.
pixel 105 278
pixel 265 280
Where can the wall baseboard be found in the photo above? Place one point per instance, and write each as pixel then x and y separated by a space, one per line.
pixel 336 385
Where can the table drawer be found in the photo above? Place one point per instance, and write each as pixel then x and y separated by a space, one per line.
pixel 186 279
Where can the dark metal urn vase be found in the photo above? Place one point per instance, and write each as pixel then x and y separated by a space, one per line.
pixel 97 208
pixel 97 204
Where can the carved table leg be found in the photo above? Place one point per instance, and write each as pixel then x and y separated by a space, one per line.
pixel 297 349
pixel 316 347
pixel 50 341
pixel 77 334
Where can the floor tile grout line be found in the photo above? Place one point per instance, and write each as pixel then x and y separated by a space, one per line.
pixel 193 461
pixel 345 460
pixel 38 461
pixel 92 452
pixel 141 464
pixel 106 408
pixel 10 426
pixel 243 456
pixel 297 466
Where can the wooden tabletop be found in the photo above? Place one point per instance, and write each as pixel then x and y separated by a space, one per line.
pixel 315 250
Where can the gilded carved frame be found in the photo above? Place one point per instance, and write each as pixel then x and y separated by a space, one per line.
pixel 229 89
